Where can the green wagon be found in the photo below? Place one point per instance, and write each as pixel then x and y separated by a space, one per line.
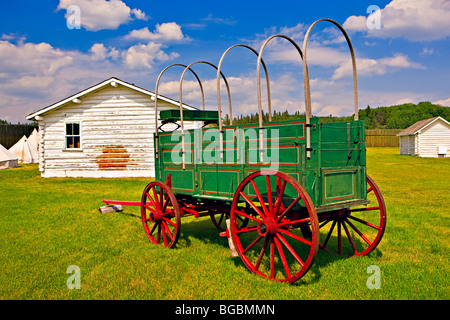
pixel 279 190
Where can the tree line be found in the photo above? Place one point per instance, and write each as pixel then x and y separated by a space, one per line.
pixel 393 117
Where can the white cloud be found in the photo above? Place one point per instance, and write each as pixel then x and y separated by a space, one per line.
pixel 100 52
pixel 366 66
pixel 443 102
pixel 163 32
pixel 145 56
pixel 103 14
pixel 139 14
pixel 415 20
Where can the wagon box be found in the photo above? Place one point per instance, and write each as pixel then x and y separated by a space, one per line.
pixel 278 190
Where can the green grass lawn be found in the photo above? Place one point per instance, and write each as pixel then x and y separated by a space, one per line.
pixel 50 224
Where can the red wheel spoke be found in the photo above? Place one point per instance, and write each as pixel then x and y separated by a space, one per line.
pixel 149 208
pixel 280 193
pixel 369 190
pixel 287 223
pixel 261 254
pixel 240 213
pixel 153 229
pixel 246 229
pixel 165 204
pixel 151 200
pixel 294 236
pixel 252 244
pixel 359 232
pixel 364 222
pixel 155 194
pixel 167 230
pixel 170 221
pixel 283 258
pixel 289 208
pixel 250 202
pixel 329 234
pixel 349 237
pixel 164 234
pixel 261 200
pixel 272 259
pixel 339 238
pixel 269 197
pixel 291 250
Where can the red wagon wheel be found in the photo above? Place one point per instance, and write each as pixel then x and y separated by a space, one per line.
pixel 358 230
pixel 160 214
pixel 273 244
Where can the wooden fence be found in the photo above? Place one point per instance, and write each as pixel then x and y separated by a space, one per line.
pixel 382 137
pixel 11 133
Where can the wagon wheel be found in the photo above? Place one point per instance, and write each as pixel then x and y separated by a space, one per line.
pixel 273 244
pixel 160 214
pixel 363 227
pixel 219 220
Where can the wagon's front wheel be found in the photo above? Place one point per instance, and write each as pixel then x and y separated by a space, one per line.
pixel 160 214
pixel 276 243
pixel 355 231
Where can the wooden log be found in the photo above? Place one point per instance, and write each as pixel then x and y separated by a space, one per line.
pixel 110 208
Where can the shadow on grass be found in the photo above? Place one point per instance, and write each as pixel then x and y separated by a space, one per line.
pixel 203 229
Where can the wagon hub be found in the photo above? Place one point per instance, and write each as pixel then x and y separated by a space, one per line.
pixel 266 227
pixel 156 215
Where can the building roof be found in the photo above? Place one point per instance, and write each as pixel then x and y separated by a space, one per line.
pixel 419 125
pixel 104 83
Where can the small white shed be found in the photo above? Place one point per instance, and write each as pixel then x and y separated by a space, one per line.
pixel 426 138
pixel 103 131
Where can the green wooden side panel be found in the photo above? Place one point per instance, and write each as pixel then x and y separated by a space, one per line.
pixel 335 172
pixel 182 181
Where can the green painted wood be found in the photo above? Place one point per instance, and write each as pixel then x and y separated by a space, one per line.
pixel 333 177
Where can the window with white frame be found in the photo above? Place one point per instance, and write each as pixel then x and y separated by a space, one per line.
pixel 73 135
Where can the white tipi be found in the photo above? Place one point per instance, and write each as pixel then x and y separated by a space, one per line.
pixel 7 159
pixel 34 139
pixel 25 151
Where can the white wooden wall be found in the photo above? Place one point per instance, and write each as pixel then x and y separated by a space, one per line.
pixel 117 126
pixel 435 135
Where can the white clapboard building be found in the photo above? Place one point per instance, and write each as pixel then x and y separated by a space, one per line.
pixel 426 138
pixel 103 131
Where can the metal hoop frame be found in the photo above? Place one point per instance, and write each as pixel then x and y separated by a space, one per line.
pixel 305 67
pixel 218 91
pixel 258 83
pixel 156 100
pixel 181 103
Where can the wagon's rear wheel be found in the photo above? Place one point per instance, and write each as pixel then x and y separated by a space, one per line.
pixel 219 220
pixel 160 214
pixel 273 244
pixel 355 231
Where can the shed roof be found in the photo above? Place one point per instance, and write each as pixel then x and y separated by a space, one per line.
pixel 100 85
pixel 419 125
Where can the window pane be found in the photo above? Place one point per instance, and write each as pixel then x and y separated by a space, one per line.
pixel 69 141
pixel 69 130
pixel 76 142
pixel 76 129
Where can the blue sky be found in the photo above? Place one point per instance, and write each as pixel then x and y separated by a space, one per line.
pixel 404 59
